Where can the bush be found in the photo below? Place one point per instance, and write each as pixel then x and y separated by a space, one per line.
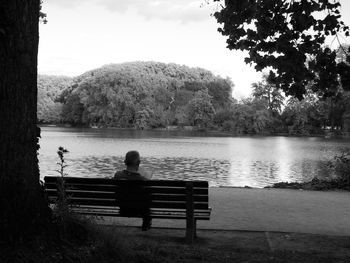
pixel 229 126
pixel 70 226
pixel 341 168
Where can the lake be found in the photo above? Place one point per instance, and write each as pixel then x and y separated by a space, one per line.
pixel 222 160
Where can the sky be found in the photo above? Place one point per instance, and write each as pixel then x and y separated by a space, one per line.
pixel 86 34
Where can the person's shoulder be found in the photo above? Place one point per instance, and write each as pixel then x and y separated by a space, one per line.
pixel 120 175
pixel 146 175
pixel 138 176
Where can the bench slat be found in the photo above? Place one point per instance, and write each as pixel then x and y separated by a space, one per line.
pixel 112 195
pixel 113 188
pixel 111 202
pixel 181 205
pixel 176 197
pixel 77 180
pixel 115 209
pixel 83 194
pixel 87 187
pixel 171 214
pixel 171 190
pixel 104 181
pixel 88 201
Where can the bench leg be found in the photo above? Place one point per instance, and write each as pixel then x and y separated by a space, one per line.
pixel 190 230
pixel 195 228
pixel 190 220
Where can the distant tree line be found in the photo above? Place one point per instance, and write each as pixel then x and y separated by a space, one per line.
pixel 268 111
pixel 146 95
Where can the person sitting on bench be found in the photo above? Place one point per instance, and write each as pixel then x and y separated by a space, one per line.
pixel 134 205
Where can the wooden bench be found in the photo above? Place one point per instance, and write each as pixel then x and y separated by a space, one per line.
pixel 169 199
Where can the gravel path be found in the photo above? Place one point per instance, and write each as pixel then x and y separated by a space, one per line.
pixel 284 210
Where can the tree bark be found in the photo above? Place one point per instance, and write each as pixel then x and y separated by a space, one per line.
pixel 346 114
pixel 21 201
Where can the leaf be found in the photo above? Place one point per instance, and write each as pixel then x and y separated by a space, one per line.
pixel 277 27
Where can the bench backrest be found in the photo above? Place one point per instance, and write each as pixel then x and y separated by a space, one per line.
pixel 164 194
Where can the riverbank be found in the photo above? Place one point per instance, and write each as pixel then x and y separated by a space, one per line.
pixel 326 134
pixel 314 185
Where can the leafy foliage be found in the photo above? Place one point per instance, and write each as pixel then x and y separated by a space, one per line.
pixel 264 90
pixel 142 95
pixel 341 166
pixel 288 37
pixel 201 109
pixel 146 95
pixel 49 89
pixel 301 117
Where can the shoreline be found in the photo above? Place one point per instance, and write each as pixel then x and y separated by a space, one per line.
pixel 326 134
pixel 279 188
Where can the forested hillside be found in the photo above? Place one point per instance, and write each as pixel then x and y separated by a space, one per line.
pixel 146 95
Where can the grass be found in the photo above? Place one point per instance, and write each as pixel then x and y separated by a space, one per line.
pixel 164 245
pixel 102 244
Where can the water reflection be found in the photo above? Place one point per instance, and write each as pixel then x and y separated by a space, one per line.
pixel 217 172
pixel 223 161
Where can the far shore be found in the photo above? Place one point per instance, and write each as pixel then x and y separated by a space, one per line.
pixel 326 134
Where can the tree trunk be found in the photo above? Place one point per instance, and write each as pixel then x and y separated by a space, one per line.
pixel 21 201
pixel 346 114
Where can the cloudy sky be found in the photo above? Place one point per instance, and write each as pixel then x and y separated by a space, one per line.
pixel 85 34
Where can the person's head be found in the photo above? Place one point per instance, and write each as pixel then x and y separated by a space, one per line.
pixel 132 159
